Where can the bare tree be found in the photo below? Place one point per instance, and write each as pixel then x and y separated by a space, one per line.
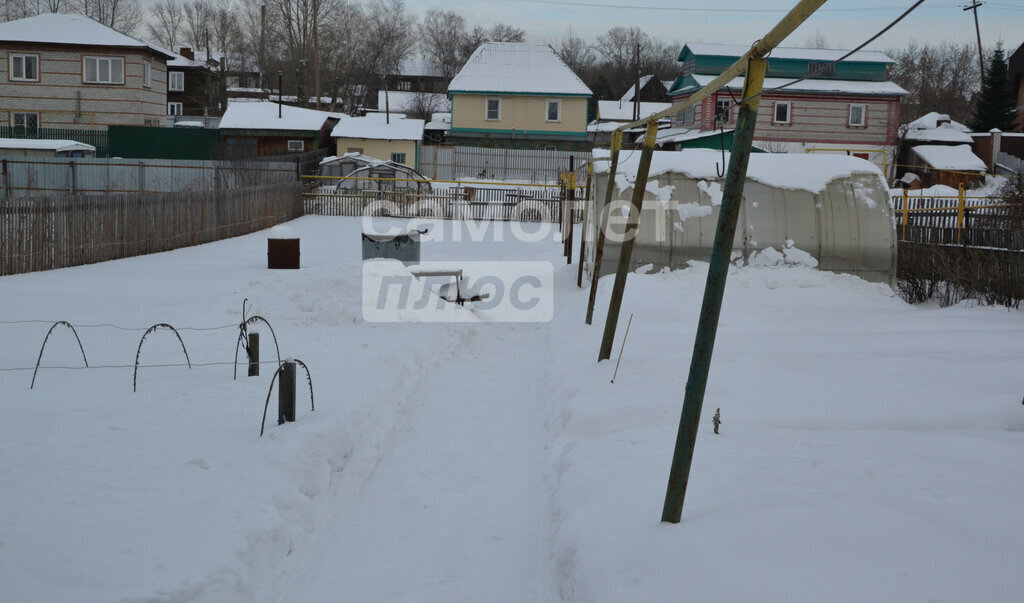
pixel 441 36
pixel 618 51
pixel 123 15
pixel 941 77
pixel 197 19
pixel 423 105
pixel 502 32
pixel 164 27
pixel 390 39
pixel 11 10
pixel 344 34
pixel 818 40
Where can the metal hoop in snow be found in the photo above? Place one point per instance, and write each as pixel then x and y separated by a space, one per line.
pixel 243 330
pixel 54 326
pixel 266 404
pixel 138 352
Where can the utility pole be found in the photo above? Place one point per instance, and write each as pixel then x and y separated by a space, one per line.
pixel 981 54
pixel 636 83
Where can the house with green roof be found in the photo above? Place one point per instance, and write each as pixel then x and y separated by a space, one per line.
pixel 850 107
pixel 515 95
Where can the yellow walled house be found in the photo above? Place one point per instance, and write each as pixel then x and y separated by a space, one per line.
pixel 519 96
pixel 391 138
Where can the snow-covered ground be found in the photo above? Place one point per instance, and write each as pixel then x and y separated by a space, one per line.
pixel 870 450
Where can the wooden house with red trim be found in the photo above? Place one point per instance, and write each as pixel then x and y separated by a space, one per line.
pixel 849 107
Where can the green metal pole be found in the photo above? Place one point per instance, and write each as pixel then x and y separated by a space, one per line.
pixel 628 238
pixel 602 223
pixel 714 289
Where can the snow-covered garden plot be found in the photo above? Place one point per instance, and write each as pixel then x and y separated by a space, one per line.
pixel 869 450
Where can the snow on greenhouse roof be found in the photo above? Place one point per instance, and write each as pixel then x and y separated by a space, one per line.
pixel 263 116
pixel 807 54
pixel 506 67
pixel 835 86
pixel 945 157
pixel 793 171
pixel 375 127
pixel 77 30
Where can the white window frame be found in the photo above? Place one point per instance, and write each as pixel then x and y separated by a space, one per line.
pixel 296 146
pixel 23 58
pixel 147 75
pixel 863 116
pixel 547 110
pixel 487 109
pixel 111 61
pixel 395 157
pixel 718 107
pixel 175 81
pixel 14 114
pixel 172 106
pixel 789 112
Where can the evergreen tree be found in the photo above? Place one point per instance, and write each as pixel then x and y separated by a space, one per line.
pixel 995 104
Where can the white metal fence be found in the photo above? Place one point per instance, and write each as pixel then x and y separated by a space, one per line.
pixel 35 176
pixel 522 165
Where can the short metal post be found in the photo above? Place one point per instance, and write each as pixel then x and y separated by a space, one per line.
pixel 286 393
pixel 254 354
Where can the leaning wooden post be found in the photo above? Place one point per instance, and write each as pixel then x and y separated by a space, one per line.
pixel 583 223
pixel 570 209
pixel 628 238
pixel 602 223
pixel 906 212
pixel 714 289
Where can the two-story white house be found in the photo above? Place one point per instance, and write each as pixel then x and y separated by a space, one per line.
pixel 69 71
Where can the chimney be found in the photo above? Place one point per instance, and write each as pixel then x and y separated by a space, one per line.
pixel 187 53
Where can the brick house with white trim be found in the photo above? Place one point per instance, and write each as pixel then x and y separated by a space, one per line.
pixel 69 71
pixel 852 107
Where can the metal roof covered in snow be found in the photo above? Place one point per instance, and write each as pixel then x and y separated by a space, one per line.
pixel 374 126
pixel 262 115
pixel 75 30
pixel 515 68
pixel 944 157
pixel 692 83
pixel 803 54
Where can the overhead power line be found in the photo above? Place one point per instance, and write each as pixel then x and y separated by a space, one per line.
pixel 709 9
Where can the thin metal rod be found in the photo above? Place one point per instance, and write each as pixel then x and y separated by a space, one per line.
pixel 602 224
pixel 628 239
pixel 622 349
pixel 714 290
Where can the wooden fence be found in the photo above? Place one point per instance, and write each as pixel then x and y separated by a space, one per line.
pixel 43 233
pixel 961 220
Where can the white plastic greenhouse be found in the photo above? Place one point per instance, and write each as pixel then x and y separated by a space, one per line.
pixel 829 211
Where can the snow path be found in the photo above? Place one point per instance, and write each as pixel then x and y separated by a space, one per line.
pixel 477 508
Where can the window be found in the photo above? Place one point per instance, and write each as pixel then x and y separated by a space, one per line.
pixel 28 121
pixel 175 81
pixel 781 114
pixel 103 70
pixel 723 110
pixel 550 147
pixel 174 108
pixel 24 68
pixel 493 109
pixel 404 85
pixel 689 115
pixel 828 70
pixel 355 150
pixel 296 146
pixel 554 112
pixel 398 157
pixel 147 75
pixel 858 116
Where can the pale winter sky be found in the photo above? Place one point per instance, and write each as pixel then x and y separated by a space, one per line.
pixel 844 23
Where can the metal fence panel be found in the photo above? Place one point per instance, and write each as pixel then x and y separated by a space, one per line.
pixel 523 165
pixel 34 176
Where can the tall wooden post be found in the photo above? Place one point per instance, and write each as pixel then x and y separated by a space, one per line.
pixel 286 393
pixel 570 189
pixel 714 289
pixel 254 354
pixel 602 223
pixel 628 239
pixel 583 223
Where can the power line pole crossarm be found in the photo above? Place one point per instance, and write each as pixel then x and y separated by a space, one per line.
pixel 977 30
